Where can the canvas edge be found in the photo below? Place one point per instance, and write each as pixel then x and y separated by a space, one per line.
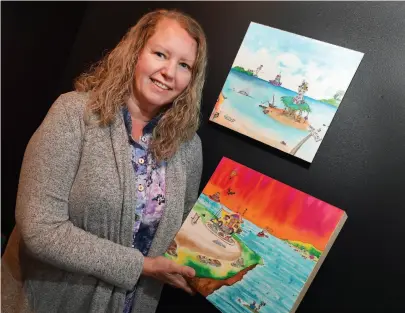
pixel 311 277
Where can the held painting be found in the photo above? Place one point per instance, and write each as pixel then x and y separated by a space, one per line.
pixel 284 89
pixel 254 242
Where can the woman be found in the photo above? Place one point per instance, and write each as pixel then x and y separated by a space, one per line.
pixel 109 177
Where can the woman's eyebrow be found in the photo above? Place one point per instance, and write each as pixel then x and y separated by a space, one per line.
pixel 187 60
pixel 158 46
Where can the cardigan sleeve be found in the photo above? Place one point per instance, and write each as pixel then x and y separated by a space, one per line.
pixel 47 174
pixel 194 172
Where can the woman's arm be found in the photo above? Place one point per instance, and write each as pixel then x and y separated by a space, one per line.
pixel 47 174
pixel 194 171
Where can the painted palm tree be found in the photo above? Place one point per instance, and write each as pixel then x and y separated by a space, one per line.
pixel 294 110
pixel 294 106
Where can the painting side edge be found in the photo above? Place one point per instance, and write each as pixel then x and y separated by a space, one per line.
pixel 314 272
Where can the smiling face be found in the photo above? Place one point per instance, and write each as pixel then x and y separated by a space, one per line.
pixel 164 67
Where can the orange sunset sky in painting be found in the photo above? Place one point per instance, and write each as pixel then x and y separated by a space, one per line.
pixel 290 213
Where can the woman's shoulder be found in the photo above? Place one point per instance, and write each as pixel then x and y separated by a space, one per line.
pixel 70 108
pixel 195 142
pixel 74 101
pixel 193 146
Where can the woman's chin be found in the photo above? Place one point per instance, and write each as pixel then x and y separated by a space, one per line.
pixel 158 103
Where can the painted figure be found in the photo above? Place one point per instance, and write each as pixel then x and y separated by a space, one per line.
pixel 302 89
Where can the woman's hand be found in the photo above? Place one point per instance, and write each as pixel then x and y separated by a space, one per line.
pixel 168 271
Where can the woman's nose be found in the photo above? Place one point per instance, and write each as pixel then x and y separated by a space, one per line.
pixel 169 70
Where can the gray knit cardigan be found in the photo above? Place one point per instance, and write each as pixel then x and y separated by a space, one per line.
pixel 71 248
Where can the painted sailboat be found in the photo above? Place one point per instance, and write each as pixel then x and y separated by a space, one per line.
pixel 277 81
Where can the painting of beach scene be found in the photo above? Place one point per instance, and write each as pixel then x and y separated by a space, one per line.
pixel 254 242
pixel 284 89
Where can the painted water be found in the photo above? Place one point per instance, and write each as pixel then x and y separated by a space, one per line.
pixel 247 109
pixel 278 282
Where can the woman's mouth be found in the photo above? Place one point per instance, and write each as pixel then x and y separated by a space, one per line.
pixel 160 85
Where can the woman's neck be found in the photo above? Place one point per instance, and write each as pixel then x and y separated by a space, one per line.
pixel 138 112
pixel 139 117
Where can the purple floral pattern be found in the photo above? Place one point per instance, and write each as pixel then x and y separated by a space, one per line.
pixel 151 187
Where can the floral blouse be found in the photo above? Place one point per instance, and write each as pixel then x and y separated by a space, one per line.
pixel 150 186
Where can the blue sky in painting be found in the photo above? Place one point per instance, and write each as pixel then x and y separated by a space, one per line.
pixel 326 67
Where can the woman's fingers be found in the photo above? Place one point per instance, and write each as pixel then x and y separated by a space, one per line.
pixel 173 273
pixel 183 270
pixel 179 282
pixel 189 290
pixel 165 265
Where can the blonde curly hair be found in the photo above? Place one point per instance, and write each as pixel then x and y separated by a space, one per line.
pixel 110 80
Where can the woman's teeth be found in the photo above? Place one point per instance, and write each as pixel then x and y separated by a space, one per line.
pixel 160 85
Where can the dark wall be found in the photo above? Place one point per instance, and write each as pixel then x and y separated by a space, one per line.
pixel 36 40
pixel 359 166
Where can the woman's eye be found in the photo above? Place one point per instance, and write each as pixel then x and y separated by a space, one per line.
pixel 160 54
pixel 185 65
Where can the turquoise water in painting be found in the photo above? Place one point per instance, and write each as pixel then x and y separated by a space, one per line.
pixel 277 282
pixel 247 109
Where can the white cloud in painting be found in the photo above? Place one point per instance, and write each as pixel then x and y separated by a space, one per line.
pixel 288 60
pixel 252 60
